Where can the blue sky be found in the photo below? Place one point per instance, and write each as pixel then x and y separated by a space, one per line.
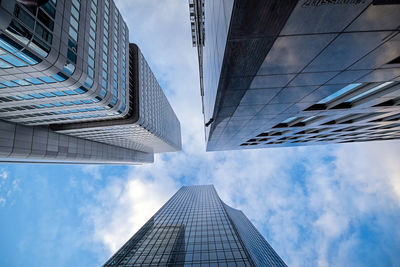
pixel 334 205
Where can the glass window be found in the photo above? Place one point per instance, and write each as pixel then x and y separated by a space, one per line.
pixel 91 62
pixel 87 101
pixel 67 103
pixel 59 93
pixel 88 82
pixel 39 47
pixel 19 32
pixel 75 12
pixel 92 34
pixel 37 95
pixel 4 65
pixel 8 44
pixel 27 97
pixel 72 45
pixel 91 52
pixel 76 3
pixel 23 16
pixel 90 72
pixel 69 68
pixel 28 57
pixel 48 94
pixel 45 34
pixel 92 43
pixel 49 9
pixel 74 23
pixel 69 92
pixel 71 56
pixel 13 61
pixel 21 82
pixel 47 105
pixel 60 77
pixel 9 83
pixel 339 93
pixel 57 104
pixel 73 34
pixel 80 90
pixel 34 81
pixel 45 19
pixel 47 79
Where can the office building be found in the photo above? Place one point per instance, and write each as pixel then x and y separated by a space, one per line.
pixel 287 73
pixel 195 228
pixel 67 68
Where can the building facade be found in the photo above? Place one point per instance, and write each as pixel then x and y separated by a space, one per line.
pixel 195 228
pixel 68 66
pixel 287 73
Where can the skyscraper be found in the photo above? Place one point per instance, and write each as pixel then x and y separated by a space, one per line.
pixel 195 228
pixel 287 73
pixel 68 71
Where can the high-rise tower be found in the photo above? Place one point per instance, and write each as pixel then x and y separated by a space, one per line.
pixel 67 70
pixel 287 72
pixel 195 228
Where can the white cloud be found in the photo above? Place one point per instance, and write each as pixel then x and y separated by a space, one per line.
pixel 126 204
pixel 93 170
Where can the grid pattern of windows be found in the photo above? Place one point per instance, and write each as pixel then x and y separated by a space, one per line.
pixel 156 130
pixel 35 92
pixel 192 229
pixel 365 123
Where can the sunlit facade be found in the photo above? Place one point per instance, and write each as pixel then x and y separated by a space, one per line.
pixel 195 228
pixel 67 64
pixel 287 73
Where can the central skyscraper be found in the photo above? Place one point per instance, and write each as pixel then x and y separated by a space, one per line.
pixel 195 228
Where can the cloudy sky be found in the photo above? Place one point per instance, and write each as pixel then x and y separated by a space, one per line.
pixel 334 205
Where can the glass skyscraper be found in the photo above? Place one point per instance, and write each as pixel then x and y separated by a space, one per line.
pixel 288 73
pixel 68 66
pixel 195 228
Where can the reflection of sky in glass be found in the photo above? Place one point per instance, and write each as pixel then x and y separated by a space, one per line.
pixel 368 92
pixel 338 93
pixel 309 118
pixel 289 120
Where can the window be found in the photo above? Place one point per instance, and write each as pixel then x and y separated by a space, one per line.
pixel 59 93
pixel 9 84
pixel 28 57
pixel 39 47
pixel 23 16
pixel 4 65
pixel 13 61
pixel 19 32
pixel 73 34
pixel 74 23
pixel 45 34
pixel 34 81
pixel 47 79
pixel 21 82
pixel 339 93
pixel 45 19
pixel 48 94
pixel 8 44
pixel 370 91
pixel 70 92
pixel 71 56
pixel 60 77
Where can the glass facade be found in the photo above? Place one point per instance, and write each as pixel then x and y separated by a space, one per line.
pixel 66 64
pixel 259 91
pixel 51 57
pixel 195 228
